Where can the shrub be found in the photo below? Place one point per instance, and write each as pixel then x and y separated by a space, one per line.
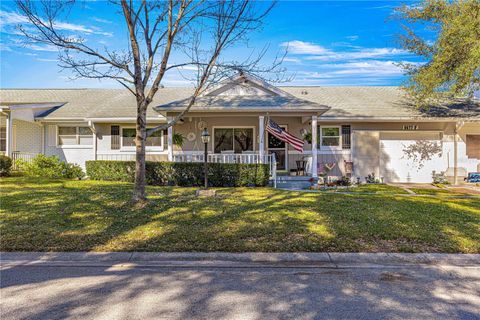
pixel 439 178
pixel 50 167
pixel 343 181
pixel 182 173
pixel 5 165
pixel 371 178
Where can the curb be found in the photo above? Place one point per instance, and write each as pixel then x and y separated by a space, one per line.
pixel 212 258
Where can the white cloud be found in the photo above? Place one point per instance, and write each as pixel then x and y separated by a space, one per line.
pixel 4 47
pixel 13 19
pixel 374 67
pixel 294 60
pixel 42 47
pixel 47 60
pixel 101 20
pixel 352 38
pixel 317 52
pixel 302 47
pixel 365 53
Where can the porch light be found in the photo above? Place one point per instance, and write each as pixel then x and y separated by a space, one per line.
pixel 205 136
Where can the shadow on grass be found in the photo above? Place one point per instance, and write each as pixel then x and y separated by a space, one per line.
pixel 116 293
pixel 90 215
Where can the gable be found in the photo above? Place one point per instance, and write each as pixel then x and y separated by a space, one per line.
pixel 241 89
pixel 245 85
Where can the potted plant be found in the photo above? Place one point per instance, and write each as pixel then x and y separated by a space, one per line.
pixel 308 137
pixel 178 139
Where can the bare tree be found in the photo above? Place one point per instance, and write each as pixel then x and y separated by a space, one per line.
pixel 198 30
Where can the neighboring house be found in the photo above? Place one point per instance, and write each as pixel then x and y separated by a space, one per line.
pixel 367 126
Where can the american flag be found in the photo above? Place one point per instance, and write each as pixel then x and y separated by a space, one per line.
pixel 283 135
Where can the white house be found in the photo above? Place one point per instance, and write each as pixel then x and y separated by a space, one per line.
pixel 363 129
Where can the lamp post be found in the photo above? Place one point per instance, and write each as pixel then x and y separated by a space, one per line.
pixel 205 140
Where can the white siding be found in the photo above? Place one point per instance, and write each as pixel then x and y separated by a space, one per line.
pixel 71 154
pixel 28 136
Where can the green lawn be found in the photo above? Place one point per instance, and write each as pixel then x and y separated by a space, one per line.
pixel 44 215
pixel 437 192
pixel 372 188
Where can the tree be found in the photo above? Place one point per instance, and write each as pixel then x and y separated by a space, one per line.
pixel 450 45
pixel 199 31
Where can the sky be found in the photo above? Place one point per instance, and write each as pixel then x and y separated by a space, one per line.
pixel 328 43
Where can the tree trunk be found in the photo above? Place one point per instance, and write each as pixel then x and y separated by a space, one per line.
pixel 141 136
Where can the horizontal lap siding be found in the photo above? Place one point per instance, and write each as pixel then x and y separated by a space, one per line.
pixel 28 136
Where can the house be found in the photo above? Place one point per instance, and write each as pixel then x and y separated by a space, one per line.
pixel 359 129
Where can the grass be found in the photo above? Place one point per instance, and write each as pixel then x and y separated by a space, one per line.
pixel 47 215
pixel 372 188
pixel 436 192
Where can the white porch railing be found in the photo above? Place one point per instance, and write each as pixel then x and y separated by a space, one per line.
pixel 116 156
pixel 25 156
pixel 247 158
pixel 212 158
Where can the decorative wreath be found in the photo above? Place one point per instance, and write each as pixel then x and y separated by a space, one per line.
pixel 201 124
pixel 191 136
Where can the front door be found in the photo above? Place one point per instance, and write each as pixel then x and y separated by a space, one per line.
pixel 279 148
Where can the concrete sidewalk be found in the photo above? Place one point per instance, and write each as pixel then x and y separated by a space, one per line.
pixel 223 259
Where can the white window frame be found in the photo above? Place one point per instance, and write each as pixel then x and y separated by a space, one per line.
pixel 340 140
pixel 4 138
pixel 77 137
pixel 233 127
pixel 147 148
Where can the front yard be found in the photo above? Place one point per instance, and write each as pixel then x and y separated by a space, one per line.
pixel 46 215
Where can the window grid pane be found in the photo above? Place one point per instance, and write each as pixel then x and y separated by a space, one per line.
pixel 223 140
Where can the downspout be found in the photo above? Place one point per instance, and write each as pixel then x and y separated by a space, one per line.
pixel 94 135
pixel 455 156
pixel 458 126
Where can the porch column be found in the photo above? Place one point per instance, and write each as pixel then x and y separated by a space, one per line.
pixel 8 131
pixel 314 147
pixel 170 140
pixel 261 137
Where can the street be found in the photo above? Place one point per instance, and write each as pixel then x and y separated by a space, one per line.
pixel 123 291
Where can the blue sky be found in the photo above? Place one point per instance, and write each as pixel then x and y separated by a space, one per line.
pixel 329 44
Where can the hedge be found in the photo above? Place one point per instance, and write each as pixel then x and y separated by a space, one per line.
pixel 5 165
pixel 181 173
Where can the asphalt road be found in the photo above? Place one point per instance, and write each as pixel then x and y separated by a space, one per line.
pixel 127 292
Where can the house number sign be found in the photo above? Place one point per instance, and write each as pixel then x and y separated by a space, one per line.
pixel 410 127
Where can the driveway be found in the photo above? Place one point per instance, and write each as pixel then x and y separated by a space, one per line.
pixel 216 291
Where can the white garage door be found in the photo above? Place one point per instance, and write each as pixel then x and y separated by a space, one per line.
pixel 396 166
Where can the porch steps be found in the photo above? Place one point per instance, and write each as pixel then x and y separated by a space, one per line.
pixel 293 182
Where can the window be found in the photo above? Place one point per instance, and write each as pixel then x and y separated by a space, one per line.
pixel 473 146
pixel 346 137
pixel 3 139
pixel 75 136
pixel 330 137
pixel 233 139
pixel 128 138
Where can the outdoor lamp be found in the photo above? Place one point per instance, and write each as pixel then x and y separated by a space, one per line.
pixel 205 140
pixel 205 136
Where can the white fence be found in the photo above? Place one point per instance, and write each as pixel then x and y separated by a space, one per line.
pixel 25 156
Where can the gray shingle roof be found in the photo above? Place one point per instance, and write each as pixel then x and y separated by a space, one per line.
pixel 90 103
pixel 345 102
pixel 245 103
pixel 378 102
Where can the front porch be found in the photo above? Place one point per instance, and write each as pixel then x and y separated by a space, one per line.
pixel 243 139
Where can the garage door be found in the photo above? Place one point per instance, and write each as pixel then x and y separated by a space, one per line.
pixel 396 166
